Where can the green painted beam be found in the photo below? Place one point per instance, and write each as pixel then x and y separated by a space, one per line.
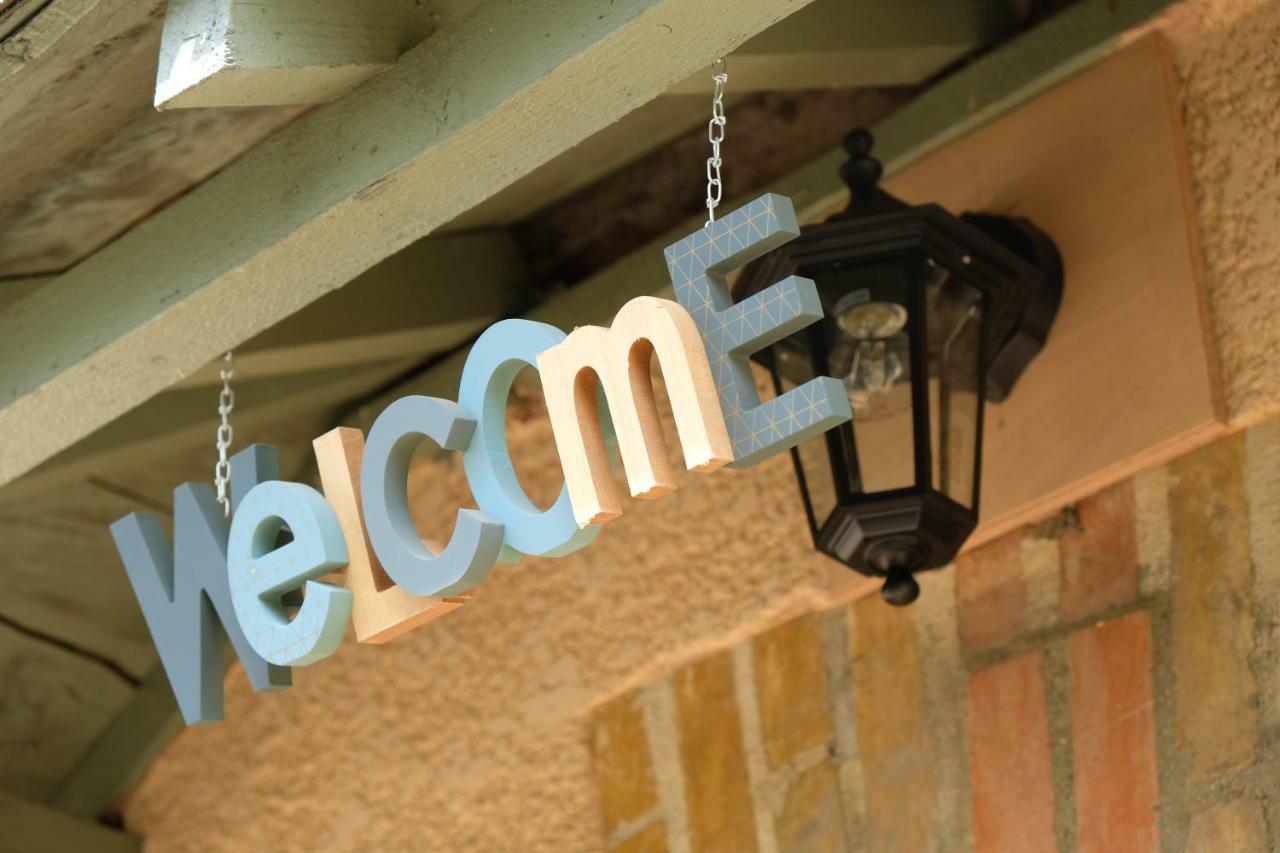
pixel 117 760
pixel 498 90
pixel 225 53
pixel 182 420
pixel 13 290
pixel 56 702
pixel 427 298
pixel 30 828
pixel 1012 74
pixel 856 43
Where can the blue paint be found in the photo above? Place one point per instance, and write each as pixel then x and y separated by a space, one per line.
pixel 184 592
pixel 496 357
pixel 698 266
pixel 384 493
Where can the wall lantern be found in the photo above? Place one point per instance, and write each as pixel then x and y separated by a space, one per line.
pixel 926 316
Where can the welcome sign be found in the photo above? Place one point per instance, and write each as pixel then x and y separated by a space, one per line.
pixel 269 597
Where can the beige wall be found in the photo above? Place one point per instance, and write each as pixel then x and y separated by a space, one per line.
pixel 1225 51
pixel 470 733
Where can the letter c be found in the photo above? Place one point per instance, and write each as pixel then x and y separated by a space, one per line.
pixel 384 492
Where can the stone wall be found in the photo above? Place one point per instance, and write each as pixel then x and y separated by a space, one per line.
pixel 1106 680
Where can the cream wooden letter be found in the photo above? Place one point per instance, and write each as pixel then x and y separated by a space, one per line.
pixel 617 359
pixel 380 610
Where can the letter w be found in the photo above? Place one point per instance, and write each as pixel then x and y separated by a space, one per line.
pixel 618 360
pixel 183 590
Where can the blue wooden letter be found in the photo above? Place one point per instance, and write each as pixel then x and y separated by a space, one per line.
pixel 184 592
pixel 384 492
pixel 495 359
pixel 261 575
pixel 698 265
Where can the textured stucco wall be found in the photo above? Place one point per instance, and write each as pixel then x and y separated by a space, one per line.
pixel 1225 52
pixel 467 733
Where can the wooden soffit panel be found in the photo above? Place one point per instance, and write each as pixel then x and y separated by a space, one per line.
pixel 1129 377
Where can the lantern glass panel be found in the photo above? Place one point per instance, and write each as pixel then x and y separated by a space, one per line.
pixel 822 492
pixel 870 307
pixel 954 311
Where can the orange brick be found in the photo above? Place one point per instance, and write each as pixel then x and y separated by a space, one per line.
pixel 991 593
pixel 621 753
pixel 1237 826
pixel 1113 736
pixel 1215 694
pixel 717 791
pixel 810 821
pixel 1100 562
pixel 893 741
pixel 651 839
pixel 791 687
pixel 1011 766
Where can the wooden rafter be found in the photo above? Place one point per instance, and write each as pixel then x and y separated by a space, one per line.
pixel 455 120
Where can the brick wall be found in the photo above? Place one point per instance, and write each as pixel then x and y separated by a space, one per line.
pixel 1103 681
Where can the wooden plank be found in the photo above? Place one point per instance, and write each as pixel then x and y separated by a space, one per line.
pixel 30 828
pixel 1129 378
pixel 639 132
pixel 223 53
pixel 347 184
pixel 177 421
pixel 14 289
pixel 407 307
pixel 55 704
pixel 838 43
pixel 117 760
pixel 56 547
pixel 15 13
pixel 80 131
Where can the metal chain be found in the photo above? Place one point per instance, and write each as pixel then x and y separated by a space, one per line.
pixel 226 403
pixel 715 135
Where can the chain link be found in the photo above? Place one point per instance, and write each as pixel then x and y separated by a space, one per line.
pixel 715 135
pixel 226 403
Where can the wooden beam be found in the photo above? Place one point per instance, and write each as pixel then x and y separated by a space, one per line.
pixel 410 306
pixel 843 43
pixel 1010 75
pixel 79 130
pixel 180 420
pixel 117 760
pixel 55 698
pixel 224 53
pixel 485 100
pixel 15 13
pixel 12 290
pixel 30 828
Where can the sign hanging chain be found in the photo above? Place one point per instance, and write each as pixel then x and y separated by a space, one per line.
pixel 715 135
pixel 226 403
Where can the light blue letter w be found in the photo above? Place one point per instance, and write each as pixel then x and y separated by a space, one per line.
pixel 183 590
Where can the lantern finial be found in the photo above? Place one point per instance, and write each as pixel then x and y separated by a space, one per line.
pixel 862 173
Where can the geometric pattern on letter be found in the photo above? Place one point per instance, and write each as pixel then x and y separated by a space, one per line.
pixel 261 575
pixel 698 266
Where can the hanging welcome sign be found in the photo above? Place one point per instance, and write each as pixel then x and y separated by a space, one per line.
pixel 270 600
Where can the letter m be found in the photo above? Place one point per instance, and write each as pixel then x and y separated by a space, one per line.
pixel 617 360
pixel 184 591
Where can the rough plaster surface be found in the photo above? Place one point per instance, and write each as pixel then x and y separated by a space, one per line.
pixel 1225 53
pixel 466 735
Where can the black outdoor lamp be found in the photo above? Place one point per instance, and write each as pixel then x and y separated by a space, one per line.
pixel 926 315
